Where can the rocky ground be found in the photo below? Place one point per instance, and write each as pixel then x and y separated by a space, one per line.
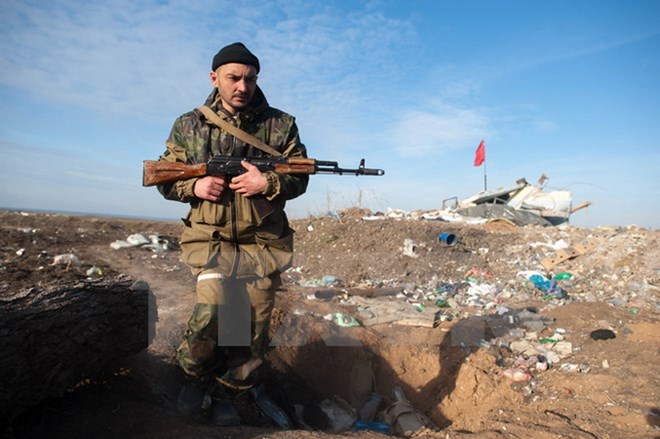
pixel 461 329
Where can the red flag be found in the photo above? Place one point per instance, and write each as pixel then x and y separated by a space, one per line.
pixel 480 155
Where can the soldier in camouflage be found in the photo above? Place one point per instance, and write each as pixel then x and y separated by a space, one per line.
pixel 236 237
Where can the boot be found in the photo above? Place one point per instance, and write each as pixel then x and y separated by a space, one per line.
pixel 202 398
pixel 242 377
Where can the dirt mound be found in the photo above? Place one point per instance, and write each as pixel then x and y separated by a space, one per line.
pixel 471 338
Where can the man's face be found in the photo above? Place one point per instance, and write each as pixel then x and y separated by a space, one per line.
pixel 236 84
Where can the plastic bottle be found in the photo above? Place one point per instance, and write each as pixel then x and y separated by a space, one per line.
pixel 398 394
pixel 370 408
pixel 442 303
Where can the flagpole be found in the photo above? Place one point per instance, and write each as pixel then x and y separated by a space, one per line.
pixel 485 180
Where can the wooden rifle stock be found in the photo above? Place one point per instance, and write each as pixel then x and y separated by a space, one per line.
pixel 159 172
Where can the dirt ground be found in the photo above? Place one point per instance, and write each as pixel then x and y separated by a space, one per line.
pixel 459 329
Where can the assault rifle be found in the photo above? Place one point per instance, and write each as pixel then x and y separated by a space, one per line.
pixel 160 172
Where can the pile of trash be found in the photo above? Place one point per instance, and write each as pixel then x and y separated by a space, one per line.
pixel 514 335
pixel 399 418
pixel 523 204
pixel 519 345
pixel 156 243
pixel 477 294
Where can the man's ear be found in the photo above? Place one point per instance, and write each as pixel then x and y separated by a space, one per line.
pixel 214 79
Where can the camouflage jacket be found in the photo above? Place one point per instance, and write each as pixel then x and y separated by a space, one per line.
pixel 234 219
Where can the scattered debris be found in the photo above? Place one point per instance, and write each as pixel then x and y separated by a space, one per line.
pixel 517 374
pixel 602 334
pixel 323 294
pixel 155 243
pixel 403 417
pixel 327 280
pixel 341 416
pixel 376 311
pixel 66 259
pixel 448 238
pixel 410 248
pixel 95 271
pixel 343 320
pixel 566 253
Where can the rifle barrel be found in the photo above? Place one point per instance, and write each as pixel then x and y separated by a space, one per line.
pixel 333 168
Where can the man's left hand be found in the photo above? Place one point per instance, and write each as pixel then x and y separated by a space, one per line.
pixel 250 183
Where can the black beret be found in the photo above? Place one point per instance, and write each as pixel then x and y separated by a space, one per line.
pixel 235 53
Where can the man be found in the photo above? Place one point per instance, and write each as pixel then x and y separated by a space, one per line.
pixel 236 237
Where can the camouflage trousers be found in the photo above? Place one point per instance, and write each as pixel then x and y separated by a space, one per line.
pixel 231 317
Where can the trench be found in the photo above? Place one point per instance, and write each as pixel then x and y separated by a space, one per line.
pixel 317 372
pixel 315 363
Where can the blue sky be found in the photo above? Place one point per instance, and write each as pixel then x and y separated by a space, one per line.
pixel 567 88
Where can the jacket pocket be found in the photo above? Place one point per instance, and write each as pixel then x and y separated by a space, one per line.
pixel 196 247
pixel 275 255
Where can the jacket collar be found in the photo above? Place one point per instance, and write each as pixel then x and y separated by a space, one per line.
pixel 257 105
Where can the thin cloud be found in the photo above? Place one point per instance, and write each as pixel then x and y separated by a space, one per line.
pixel 94 177
pixel 109 57
pixel 587 51
pixel 145 59
pixel 421 133
pixel 503 65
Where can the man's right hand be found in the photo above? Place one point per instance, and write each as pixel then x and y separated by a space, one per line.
pixel 210 187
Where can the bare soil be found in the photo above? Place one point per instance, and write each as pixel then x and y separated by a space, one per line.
pixel 456 372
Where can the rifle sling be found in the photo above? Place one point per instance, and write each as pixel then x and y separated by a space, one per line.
pixel 212 117
pixel 261 204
